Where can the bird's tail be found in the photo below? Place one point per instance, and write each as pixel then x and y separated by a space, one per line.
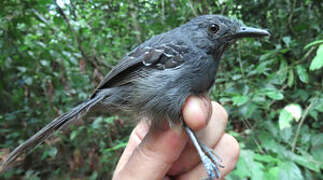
pixel 50 128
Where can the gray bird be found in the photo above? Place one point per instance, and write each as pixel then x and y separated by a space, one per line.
pixel 156 78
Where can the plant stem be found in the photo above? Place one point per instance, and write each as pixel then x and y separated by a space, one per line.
pixel 300 124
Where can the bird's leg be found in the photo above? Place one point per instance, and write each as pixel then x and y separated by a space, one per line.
pixel 206 154
pixel 211 154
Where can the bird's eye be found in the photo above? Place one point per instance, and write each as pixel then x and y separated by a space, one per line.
pixel 214 28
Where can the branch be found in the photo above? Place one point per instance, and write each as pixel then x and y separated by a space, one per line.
pixel 163 11
pixel 78 40
pixel 42 19
pixel 291 14
pixel 301 123
pixel 135 22
pixel 192 8
pixel 247 124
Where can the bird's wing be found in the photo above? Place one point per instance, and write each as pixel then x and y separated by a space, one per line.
pixel 165 56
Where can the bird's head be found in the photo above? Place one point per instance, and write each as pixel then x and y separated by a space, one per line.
pixel 214 33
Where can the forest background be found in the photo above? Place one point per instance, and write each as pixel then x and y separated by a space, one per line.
pixel 54 53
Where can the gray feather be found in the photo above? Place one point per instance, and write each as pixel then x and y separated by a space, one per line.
pixel 50 128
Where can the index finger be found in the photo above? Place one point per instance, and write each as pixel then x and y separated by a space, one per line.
pixel 197 111
pixel 156 152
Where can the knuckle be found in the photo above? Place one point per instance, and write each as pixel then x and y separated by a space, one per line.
pixel 145 153
pixel 235 149
pixel 225 113
pixel 220 112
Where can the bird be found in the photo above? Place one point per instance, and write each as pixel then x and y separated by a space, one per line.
pixel 155 79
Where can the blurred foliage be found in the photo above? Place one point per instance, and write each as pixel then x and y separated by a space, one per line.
pixel 52 55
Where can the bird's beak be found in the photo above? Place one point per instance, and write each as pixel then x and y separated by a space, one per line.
pixel 250 32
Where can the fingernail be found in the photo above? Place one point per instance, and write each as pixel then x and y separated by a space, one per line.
pixel 196 111
pixel 207 107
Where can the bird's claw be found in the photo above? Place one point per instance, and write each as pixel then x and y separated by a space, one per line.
pixel 207 156
pixel 212 155
pixel 210 168
pixel 211 163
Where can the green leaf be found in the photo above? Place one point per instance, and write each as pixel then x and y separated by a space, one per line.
pixel 74 134
pixel 295 110
pixel 248 167
pixel 50 152
pixel 242 170
pixel 306 160
pixel 285 119
pixel 110 120
pixel 283 71
pixel 97 123
pixel 239 100
pixel 271 145
pixel 32 175
pixel 272 173
pixel 317 148
pixel 44 62
pixel 22 69
pixel 290 78
pixel 275 94
pixel 287 40
pixel 94 175
pixel 289 170
pixel 302 73
pixel 286 134
pixel 317 62
pixel 266 158
pixel 28 80
pixel 313 44
pixel 116 147
pixel 318 105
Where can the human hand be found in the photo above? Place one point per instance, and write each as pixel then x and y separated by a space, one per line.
pixel 168 153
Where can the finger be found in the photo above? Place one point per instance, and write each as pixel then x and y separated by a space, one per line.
pixel 156 153
pixel 228 148
pixel 196 112
pixel 212 133
pixel 209 136
pixel 136 136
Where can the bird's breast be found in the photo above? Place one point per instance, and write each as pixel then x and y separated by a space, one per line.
pixel 201 75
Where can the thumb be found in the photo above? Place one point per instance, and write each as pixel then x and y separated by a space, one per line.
pixel 155 155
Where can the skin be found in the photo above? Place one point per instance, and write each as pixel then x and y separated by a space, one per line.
pixel 168 153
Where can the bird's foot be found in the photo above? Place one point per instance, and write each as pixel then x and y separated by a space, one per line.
pixel 211 161
pixel 208 156
pixel 216 159
pixel 211 169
